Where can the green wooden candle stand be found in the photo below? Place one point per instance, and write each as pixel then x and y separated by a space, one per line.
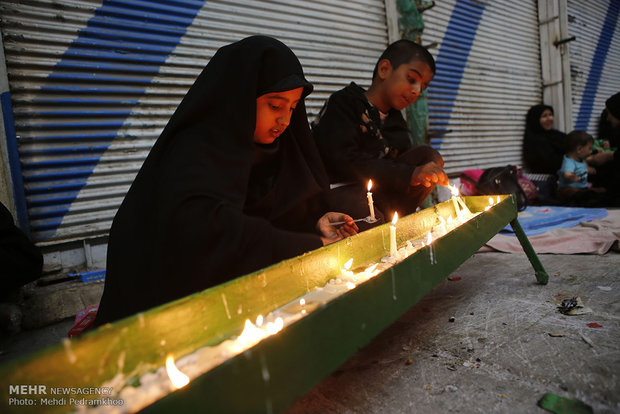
pixel 275 372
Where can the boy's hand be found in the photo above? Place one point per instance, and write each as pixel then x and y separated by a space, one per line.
pixel 428 175
pixel 330 233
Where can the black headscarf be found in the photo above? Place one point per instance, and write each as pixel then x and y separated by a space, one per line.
pixel 605 130
pixel 183 225
pixel 543 150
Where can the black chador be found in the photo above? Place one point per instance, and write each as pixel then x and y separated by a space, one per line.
pixel 209 204
pixel 543 150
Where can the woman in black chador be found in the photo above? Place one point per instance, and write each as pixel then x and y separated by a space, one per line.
pixel 234 183
pixel 543 146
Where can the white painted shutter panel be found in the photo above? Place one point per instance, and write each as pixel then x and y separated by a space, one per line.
pixel 93 84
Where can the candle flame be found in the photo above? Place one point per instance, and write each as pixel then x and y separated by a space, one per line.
pixel 279 324
pixel 498 199
pixel 249 336
pixel 177 378
pixel 395 219
pixel 302 302
pixel 275 327
pixel 259 320
pixel 350 285
pixel 348 264
pixel 455 191
pixel 490 201
pixel 369 185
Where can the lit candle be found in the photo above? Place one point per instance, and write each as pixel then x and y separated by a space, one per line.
pixel 462 204
pixel 442 225
pixel 393 248
pixel 177 378
pixel 346 270
pixel 455 193
pixel 371 206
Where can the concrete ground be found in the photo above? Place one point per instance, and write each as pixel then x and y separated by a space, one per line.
pixel 507 346
pixel 496 356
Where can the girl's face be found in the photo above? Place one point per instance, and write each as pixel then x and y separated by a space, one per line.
pixel 546 120
pixel 273 114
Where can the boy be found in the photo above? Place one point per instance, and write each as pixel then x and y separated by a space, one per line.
pixel 573 174
pixel 362 135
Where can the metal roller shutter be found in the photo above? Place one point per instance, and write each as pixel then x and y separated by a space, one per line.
pixel 93 83
pixel 595 59
pixel 488 75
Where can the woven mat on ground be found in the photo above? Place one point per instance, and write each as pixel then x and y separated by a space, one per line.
pixel 586 237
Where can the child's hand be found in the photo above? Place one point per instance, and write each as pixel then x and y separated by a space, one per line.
pixel 606 145
pixel 428 175
pixel 571 177
pixel 330 233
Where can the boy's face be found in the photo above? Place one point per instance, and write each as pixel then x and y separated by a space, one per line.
pixel 273 114
pixel 403 85
pixel 583 151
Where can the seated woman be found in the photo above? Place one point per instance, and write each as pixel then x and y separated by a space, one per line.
pixel 609 137
pixel 234 183
pixel 543 146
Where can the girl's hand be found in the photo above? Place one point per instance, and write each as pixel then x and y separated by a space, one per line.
pixel 330 233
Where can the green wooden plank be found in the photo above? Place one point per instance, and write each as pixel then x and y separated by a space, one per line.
pixel 141 342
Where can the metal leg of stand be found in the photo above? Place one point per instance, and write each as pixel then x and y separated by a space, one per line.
pixel 541 273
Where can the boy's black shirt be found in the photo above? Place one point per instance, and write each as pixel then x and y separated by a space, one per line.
pixel 356 145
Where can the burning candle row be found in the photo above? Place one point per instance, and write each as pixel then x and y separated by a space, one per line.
pixel 462 215
pixel 207 358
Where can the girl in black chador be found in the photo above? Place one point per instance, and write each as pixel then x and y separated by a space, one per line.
pixel 234 183
pixel 543 146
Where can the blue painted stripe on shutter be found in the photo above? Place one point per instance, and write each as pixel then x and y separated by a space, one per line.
pixel 596 67
pixel 146 30
pixel 451 61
